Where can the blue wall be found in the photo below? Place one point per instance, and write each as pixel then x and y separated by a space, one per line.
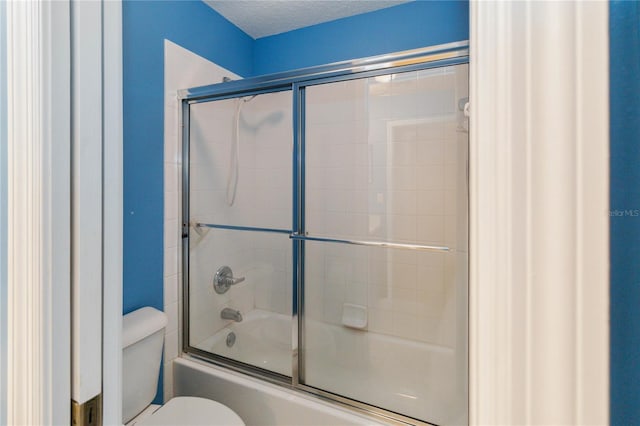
pixel 624 42
pixel 146 24
pixel 407 26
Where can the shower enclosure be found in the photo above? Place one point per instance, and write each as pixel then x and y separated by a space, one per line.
pixel 325 239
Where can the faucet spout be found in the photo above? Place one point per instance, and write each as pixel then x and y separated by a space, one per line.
pixel 231 314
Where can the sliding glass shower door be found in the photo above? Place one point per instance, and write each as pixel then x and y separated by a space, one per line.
pixel 325 231
pixel 239 199
pixel 385 307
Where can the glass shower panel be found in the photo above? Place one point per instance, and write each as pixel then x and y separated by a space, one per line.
pixel 388 327
pixel 261 336
pixel 240 213
pixel 386 162
pixel 240 161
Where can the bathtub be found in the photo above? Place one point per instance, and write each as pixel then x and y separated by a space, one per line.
pixel 412 378
pixel 257 402
pixel 263 339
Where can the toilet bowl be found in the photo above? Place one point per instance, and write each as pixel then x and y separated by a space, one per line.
pixel 189 410
pixel 142 341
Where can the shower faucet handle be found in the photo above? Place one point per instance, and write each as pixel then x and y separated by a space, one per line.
pixel 232 280
pixel 224 279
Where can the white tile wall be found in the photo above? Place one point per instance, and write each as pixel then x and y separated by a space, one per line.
pixel 183 69
pixel 386 161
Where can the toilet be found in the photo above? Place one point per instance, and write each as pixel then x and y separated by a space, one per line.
pixel 142 340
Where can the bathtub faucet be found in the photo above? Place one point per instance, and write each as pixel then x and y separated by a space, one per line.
pixel 231 314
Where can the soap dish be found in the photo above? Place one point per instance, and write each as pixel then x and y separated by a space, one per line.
pixel 354 316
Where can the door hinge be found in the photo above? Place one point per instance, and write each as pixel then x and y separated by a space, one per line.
pixel 87 414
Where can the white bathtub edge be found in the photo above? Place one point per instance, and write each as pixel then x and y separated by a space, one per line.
pixel 309 402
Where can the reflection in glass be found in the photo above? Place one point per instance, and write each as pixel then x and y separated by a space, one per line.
pixel 386 160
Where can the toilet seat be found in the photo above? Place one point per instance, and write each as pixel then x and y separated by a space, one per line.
pixel 188 411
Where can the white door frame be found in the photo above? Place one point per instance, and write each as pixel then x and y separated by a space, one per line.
pixel 64 215
pixel 3 214
pixel 112 196
pixel 539 197
pixel 539 157
pixel 38 212
pixel 97 325
pixel 87 127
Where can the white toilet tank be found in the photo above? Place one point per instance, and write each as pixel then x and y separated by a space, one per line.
pixel 142 338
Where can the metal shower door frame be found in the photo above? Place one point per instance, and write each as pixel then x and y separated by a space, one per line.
pixel 297 81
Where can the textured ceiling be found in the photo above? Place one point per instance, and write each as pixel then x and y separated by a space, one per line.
pixel 261 18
